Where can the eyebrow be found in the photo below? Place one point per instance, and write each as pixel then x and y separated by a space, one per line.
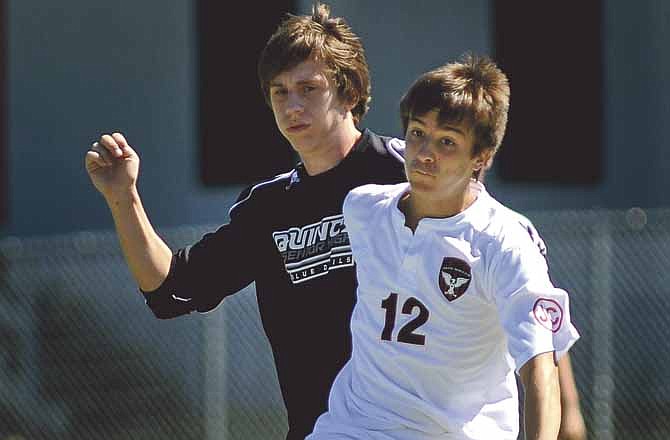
pixel 313 80
pixel 441 126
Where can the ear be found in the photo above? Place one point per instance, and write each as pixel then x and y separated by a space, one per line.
pixel 351 101
pixel 347 95
pixel 483 160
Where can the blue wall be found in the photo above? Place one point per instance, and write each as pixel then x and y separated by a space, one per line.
pixel 636 108
pixel 81 67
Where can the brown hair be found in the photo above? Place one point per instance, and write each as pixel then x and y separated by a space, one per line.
pixel 473 90
pixel 323 38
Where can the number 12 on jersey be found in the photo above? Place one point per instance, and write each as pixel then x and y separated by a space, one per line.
pixel 407 333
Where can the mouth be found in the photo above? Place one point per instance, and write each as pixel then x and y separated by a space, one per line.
pixel 296 128
pixel 422 172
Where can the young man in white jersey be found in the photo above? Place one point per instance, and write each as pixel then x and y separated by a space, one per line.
pixel 453 295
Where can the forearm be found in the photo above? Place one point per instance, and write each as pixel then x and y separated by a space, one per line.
pixel 542 398
pixel 572 421
pixel 569 395
pixel 147 255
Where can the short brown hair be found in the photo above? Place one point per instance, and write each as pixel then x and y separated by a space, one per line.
pixel 473 90
pixel 331 40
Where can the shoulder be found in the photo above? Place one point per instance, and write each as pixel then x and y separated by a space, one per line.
pixel 386 146
pixel 509 257
pixel 364 199
pixel 519 230
pixel 385 153
pixel 531 230
pixel 507 231
pixel 260 192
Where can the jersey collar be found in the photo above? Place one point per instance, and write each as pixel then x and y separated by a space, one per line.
pixel 469 215
pixel 362 144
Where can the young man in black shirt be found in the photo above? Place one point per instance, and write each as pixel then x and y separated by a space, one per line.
pixel 287 233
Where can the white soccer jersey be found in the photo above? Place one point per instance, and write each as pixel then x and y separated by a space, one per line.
pixel 444 317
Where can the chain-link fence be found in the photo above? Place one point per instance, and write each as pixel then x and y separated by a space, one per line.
pixel 82 356
pixel 616 266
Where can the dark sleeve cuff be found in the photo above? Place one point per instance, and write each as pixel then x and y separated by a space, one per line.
pixel 163 302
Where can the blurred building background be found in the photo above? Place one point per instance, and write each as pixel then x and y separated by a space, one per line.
pixel 82 357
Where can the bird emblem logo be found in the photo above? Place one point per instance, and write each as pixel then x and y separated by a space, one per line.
pixel 454 277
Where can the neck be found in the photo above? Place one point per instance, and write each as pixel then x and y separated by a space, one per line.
pixel 416 205
pixel 332 149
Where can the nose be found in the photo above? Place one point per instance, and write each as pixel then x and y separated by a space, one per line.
pixel 294 104
pixel 425 152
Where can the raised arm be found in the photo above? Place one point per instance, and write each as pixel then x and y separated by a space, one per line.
pixel 113 167
pixel 542 404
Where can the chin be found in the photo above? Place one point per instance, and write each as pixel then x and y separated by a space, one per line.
pixel 304 145
pixel 421 185
pixel 299 138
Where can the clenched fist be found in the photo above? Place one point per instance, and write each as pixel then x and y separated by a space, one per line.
pixel 113 166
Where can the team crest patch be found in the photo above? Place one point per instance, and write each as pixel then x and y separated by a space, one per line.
pixel 454 277
pixel 548 313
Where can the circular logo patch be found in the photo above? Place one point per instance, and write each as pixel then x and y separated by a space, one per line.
pixel 548 313
pixel 454 277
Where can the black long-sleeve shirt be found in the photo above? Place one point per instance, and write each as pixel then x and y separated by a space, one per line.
pixel 287 234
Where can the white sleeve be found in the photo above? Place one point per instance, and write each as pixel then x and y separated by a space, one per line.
pixel 534 314
pixel 349 207
pixel 357 203
pixel 534 235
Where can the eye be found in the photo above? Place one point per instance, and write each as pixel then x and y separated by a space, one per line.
pixel 447 142
pixel 279 91
pixel 307 89
pixel 415 132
